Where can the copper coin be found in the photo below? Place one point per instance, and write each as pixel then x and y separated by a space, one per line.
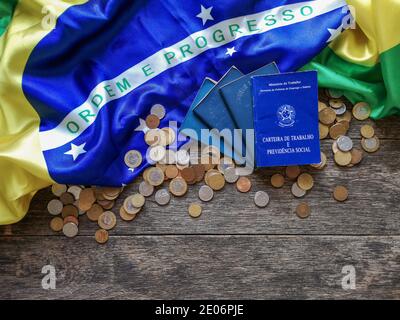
pixel 70 210
pixel 171 172
pixel 243 184
pixel 107 220
pixel 340 193
pixel 346 117
pixel 277 180
pixel 321 106
pixel 293 172
pixel 367 131
pixel 327 116
pixel 67 198
pixel 126 216
pixel 305 181
pixel 216 181
pixel 101 236
pixel 356 156
pixel 337 130
pixel 199 172
pixel 303 210
pixel 71 219
pixel 56 224
pixel 152 121
pixel 106 204
pixel 86 199
pixel 94 212
pixel 188 174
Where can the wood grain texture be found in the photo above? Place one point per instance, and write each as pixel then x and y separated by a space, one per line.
pixel 234 250
pixel 201 267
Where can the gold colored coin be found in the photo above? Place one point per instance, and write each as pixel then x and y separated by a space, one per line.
pixel 305 181
pixel 153 137
pixel 95 212
pixel 58 189
pixel 322 164
pixel 347 116
pixel 327 116
pixel 195 210
pixel 337 130
pixel 152 121
pixel 170 135
pixel 216 181
pixel 138 200
pixel 321 106
pixel 277 180
pixel 336 103
pixel 335 148
pixel 293 172
pixel 323 131
pixel 178 187
pixel 133 159
pixel 56 224
pixel 126 216
pixel 101 236
pixel 340 193
pixel 367 131
pixel 129 207
pixel 155 176
pixel 370 145
pixel 107 220
pixel 243 184
pixel 303 210
pixel 343 158
pixel 356 156
pixel 361 111
pixel 171 172
pixel 86 199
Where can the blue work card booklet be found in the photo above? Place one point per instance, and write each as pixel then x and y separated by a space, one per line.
pixel 286 119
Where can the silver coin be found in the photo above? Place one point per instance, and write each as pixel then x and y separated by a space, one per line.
pixel 230 175
pixel 70 229
pixel 55 207
pixel 146 189
pixel 261 199
pixel 297 191
pixel 341 111
pixel 206 194
pixel 182 157
pixel 158 110
pixel 75 190
pixel 344 143
pixel 162 197
pixel 157 153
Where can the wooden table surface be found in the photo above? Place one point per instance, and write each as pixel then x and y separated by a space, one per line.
pixel 234 250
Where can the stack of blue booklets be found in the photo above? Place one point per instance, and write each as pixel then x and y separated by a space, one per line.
pixel 245 117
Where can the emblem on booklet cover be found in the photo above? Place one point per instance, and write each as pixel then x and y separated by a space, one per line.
pixel 286 116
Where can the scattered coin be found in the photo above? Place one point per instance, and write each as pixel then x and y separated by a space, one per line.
pixel 188 174
pixel 55 207
pixel 367 131
pixel 303 210
pixel 305 181
pixel 370 145
pixel 327 116
pixel 322 164
pixel 56 224
pixel 107 220
pixel 71 219
pixel 346 117
pixel 292 172
pixel 344 143
pixel 129 207
pixel 70 210
pixel 58 189
pixel 341 111
pixel 162 197
pixel 152 121
pixel 297 191
pixel 231 175
pixel 70 230
pixel 158 110
pixel 195 210
pixel 361 111
pixel 243 184
pixel 156 176
pixel 101 236
pixel 199 172
pixel 215 180
pixel 75 191
pixel 182 157
pixel 146 189
pixel 323 131
pixel 95 212
pixel 206 194
pixel 225 163
pixel 337 130
pixel 343 158
pixel 125 215
pixel 178 187
pixel 170 157
pixel 171 172
pixel 157 153
pixel 356 156
pixel 133 159
pixel 67 198
pixel 335 148
pixel 321 106
pixel 340 193
pixel 170 135
pixel 277 180
pixel 86 199
pixel 153 137
pixel 261 199
pixel 138 200
pixel 336 103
